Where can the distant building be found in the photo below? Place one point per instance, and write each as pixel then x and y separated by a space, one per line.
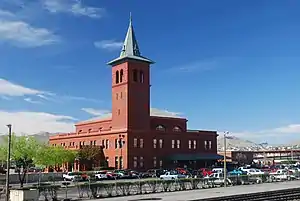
pixel 241 157
pixel 132 136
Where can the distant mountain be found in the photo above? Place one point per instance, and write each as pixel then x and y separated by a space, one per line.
pixel 42 137
pixel 235 143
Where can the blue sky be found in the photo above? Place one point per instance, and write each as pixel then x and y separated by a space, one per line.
pixel 225 65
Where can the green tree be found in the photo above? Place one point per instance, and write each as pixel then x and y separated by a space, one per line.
pixel 90 154
pixel 24 150
pixel 51 156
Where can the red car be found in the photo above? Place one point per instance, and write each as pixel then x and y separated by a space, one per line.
pixel 205 172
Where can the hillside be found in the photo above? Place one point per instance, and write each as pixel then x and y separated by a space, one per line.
pixel 235 143
pixel 42 137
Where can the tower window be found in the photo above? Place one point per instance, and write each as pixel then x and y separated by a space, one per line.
pixel 141 77
pixel 117 77
pixel 119 111
pixel 121 75
pixel 135 75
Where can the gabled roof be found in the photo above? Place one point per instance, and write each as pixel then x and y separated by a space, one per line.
pixel 154 112
pixel 130 49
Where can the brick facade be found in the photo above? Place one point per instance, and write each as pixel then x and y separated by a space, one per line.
pixel 147 139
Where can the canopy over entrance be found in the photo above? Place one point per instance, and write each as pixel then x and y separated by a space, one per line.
pixel 194 157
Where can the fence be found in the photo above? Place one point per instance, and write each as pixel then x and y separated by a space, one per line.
pixel 33 177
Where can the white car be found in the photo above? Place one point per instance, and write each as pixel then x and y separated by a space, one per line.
pixel 253 172
pixel 101 175
pixel 218 179
pixel 172 176
pixel 282 175
pixel 72 176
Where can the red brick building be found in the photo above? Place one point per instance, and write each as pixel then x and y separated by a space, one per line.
pixel 133 136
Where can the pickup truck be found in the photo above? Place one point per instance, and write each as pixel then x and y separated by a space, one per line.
pixel 172 176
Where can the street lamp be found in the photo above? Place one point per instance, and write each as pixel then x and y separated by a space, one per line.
pixel 225 165
pixel 121 143
pixel 8 162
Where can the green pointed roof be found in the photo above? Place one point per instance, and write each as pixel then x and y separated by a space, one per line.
pixel 130 49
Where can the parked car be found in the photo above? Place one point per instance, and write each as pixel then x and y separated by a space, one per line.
pixel 172 176
pixel 282 175
pixel 73 176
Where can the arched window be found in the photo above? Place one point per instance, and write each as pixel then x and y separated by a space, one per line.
pixel 117 77
pixel 161 128
pixel 177 129
pixel 121 75
pixel 135 75
pixel 141 77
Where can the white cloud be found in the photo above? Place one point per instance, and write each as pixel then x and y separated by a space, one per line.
pixel 30 100
pixel 96 112
pixel 9 89
pixel 270 134
pixel 78 98
pixel 109 44
pixel 22 34
pixel 199 66
pixel 164 113
pixel 35 122
pixel 74 7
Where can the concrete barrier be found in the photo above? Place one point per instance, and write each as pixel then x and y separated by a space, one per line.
pixel 33 177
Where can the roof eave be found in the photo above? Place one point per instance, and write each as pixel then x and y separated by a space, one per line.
pixel 122 59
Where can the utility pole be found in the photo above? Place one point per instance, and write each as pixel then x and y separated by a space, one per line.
pixel 8 163
pixel 225 165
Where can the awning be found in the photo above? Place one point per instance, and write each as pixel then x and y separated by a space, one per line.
pixel 194 157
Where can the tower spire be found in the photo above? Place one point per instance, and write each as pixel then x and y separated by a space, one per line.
pixel 130 19
pixel 130 48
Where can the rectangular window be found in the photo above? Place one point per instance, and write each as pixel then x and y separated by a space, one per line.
pixel 178 144
pixel 160 163
pixel 73 143
pixel 103 145
pixel 121 162
pixel 91 142
pixel 141 161
pixel 161 143
pixel 121 142
pixel 135 162
pixel 205 145
pixel 94 142
pixel 154 162
pixel 107 161
pixel 209 144
pixel 83 143
pixel 173 144
pixel 116 162
pixel 141 143
pixel 190 144
pixel 135 142
pixel 116 143
pixel 154 143
pixel 195 144
pixel 107 144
